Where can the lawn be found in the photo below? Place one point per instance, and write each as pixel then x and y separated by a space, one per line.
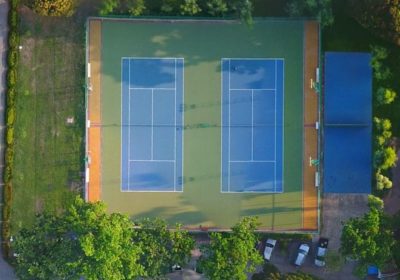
pixel 49 153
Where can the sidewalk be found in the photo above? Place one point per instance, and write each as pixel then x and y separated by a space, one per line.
pixel 6 272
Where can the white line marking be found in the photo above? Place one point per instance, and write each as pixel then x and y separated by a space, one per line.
pixel 129 127
pixel 183 118
pixel 152 124
pixel 245 161
pixel 143 88
pixel 222 122
pixel 252 124
pixel 175 132
pixel 275 144
pixel 246 89
pixel 229 126
pixel 283 125
pixel 122 98
pixel 152 160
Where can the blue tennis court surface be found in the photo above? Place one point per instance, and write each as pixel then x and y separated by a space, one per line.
pixel 348 123
pixel 151 153
pixel 252 125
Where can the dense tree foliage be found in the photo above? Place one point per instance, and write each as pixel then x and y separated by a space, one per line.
pixel 232 255
pixel 82 242
pixel 54 7
pixel 162 248
pixel 380 16
pixel 320 9
pixel 241 9
pixel 369 238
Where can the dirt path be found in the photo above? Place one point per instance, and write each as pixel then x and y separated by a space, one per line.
pixel 6 271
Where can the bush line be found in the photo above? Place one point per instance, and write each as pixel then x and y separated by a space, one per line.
pixel 10 116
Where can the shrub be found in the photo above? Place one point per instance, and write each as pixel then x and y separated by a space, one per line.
pixel 216 7
pixel 10 136
pixel 54 7
pixel 108 7
pixel 13 39
pixel 11 77
pixel 385 96
pixel 13 19
pixel 10 116
pixel 190 7
pixel 382 182
pixel 12 58
pixel 379 55
pixel 7 194
pixel 136 7
pixel 10 98
pixel 9 156
pixel 14 4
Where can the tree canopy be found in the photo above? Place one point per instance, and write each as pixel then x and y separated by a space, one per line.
pixel 85 241
pixel 82 242
pixel 320 9
pixel 232 255
pixel 162 248
pixel 54 7
pixel 369 238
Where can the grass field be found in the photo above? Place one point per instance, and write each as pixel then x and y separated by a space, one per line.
pixel 202 46
pixel 48 152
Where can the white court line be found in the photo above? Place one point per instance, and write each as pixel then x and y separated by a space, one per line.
pixel 152 160
pixel 175 109
pixel 122 96
pixel 143 88
pixel 152 124
pixel 129 127
pixel 183 119
pixel 245 161
pixel 283 124
pixel 275 144
pixel 229 126
pixel 252 124
pixel 222 122
pixel 246 89
pixel 255 58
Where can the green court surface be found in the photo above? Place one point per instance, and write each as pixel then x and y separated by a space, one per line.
pixel 202 45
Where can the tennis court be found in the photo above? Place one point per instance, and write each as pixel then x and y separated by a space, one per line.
pixel 152 93
pixel 252 125
pixel 202 122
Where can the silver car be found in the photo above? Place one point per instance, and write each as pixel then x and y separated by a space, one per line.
pixel 302 254
pixel 321 252
pixel 269 247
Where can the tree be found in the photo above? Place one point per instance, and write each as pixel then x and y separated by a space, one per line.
pixel 385 96
pixel 82 242
pixel 320 9
pixel 368 239
pixel 382 182
pixel 54 7
pixel 379 55
pixel 161 247
pixel 382 17
pixel 108 7
pixel 190 7
pixel 136 7
pixel 385 158
pixel 217 7
pixel 243 9
pixel 232 255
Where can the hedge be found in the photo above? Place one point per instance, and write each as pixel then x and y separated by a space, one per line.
pixel 11 91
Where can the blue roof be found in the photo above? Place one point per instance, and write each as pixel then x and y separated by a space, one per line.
pixel 348 123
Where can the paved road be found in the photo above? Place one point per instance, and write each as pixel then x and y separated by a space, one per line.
pixel 6 272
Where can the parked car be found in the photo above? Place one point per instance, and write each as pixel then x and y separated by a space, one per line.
pixel 269 247
pixel 301 254
pixel 321 252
